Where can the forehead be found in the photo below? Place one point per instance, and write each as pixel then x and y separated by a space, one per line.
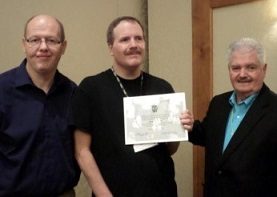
pixel 125 28
pixel 43 25
pixel 244 56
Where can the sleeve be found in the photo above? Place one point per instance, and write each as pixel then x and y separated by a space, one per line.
pixel 168 87
pixel 82 108
pixel 197 135
pixel 159 86
pixel 1 120
pixel 1 112
pixel 200 128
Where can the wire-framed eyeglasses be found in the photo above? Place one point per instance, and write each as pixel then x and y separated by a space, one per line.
pixel 36 41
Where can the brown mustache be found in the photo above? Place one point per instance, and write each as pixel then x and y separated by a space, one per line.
pixel 133 52
pixel 244 80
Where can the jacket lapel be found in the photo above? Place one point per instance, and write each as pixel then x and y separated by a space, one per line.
pixel 220 112
pixel 252 117
pixel 222 123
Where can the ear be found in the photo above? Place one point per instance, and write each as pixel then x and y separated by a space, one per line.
pixel 265 67
pixel 110 46
pixel 64 45
pixel 23 45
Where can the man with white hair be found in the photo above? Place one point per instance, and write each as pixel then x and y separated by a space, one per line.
pixel 239 132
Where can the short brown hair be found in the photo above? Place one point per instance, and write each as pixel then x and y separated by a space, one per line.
pixel 115 22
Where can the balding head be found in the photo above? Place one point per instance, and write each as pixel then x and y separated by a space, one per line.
pixel 46 20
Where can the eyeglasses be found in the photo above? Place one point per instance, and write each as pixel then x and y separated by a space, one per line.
pixel 36 41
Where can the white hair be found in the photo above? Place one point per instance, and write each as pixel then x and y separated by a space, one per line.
pixel 248 44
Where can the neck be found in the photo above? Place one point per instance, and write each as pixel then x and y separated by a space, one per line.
pixel 127 73
pixel 43 82
pixel 131 85
pixel 240 98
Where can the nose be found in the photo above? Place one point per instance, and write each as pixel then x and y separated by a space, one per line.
pixel 43 44
pixel 133 43
pixel 243 72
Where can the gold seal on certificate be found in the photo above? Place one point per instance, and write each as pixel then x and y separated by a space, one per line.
pixel 154 118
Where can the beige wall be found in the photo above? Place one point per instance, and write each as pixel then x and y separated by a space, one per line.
pixel 85 23
pixel 170 57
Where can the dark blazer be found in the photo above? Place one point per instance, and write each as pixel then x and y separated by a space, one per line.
pixel 248 166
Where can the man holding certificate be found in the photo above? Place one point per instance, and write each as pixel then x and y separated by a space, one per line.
pixel 239 131
pixel 111 167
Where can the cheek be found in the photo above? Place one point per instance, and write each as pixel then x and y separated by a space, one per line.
pixel 117 51
pixel 30 53
pixel 260 79
pixel 232 76
pixel 120 54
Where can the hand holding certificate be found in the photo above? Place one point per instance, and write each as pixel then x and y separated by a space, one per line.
pixel 154 118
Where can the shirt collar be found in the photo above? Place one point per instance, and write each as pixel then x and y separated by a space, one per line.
pixel 22 77
pixel 247 101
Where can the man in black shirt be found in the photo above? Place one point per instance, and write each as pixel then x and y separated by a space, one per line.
pixel 111 167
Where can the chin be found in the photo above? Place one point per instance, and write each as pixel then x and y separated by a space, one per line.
pixel 244 92
pixel 135 62
pixel 134 66
pixel 243 86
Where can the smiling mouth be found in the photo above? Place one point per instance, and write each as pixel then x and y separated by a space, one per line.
pixel 43 57
pixel 135 54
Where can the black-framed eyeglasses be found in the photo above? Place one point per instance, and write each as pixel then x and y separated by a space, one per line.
pixel 36 41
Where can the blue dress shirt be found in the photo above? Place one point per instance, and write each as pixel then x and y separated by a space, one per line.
pixel 36 142
pixel 236 115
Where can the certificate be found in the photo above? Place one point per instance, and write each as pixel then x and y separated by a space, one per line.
pixel 154 118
